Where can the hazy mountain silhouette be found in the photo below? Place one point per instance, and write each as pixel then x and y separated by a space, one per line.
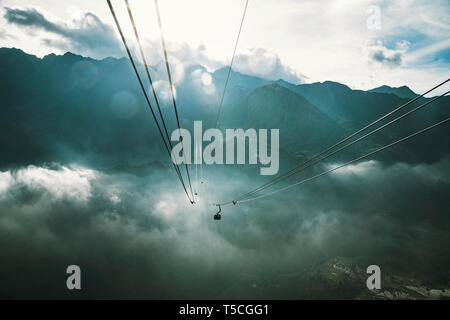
pixel 72 108
pixel 354 109
pixel 237 79
pixel 273 106
pixel 402 92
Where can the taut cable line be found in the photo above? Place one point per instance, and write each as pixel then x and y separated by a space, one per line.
pixel 145 94
pixel 163 42
pixel 345 164
pixel 294 169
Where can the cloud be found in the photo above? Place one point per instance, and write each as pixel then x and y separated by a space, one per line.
pixel 90 36
pixel 135 236
pixel 389 57
pixel 88 33
pixel 392 60
pixel 431 51
pixel 6 35
pixel 263 63
pixel 258 62
pixel 64 182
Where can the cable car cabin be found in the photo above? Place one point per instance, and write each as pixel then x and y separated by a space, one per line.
pixel 217 215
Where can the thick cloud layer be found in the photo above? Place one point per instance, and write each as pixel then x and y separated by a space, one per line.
pixel 136 236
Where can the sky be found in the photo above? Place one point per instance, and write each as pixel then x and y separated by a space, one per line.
pixel 364 43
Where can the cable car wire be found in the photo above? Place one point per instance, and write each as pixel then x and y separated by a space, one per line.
pixel 148 73
pixel 216 123
pixel 343 165
pixel 145 93
pixel 150 78
pixel 288 173
pixel 355 141
pixel 172 92
pixel 231 65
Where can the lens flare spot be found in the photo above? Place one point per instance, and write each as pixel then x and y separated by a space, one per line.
pixel 206 79
pixel 163 90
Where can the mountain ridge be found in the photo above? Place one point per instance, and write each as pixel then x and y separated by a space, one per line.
pixel 66 106
pixel 402 92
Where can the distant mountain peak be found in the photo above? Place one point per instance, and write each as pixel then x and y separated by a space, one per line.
pixel 285 83
pixel 11 50
pixel 255 80
pixel 326 85
pixel 276 88
pixel 237 79
pixel 224 70
pixel 335 85
pixel 49 56
pixel 402 92
pixel 69 54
